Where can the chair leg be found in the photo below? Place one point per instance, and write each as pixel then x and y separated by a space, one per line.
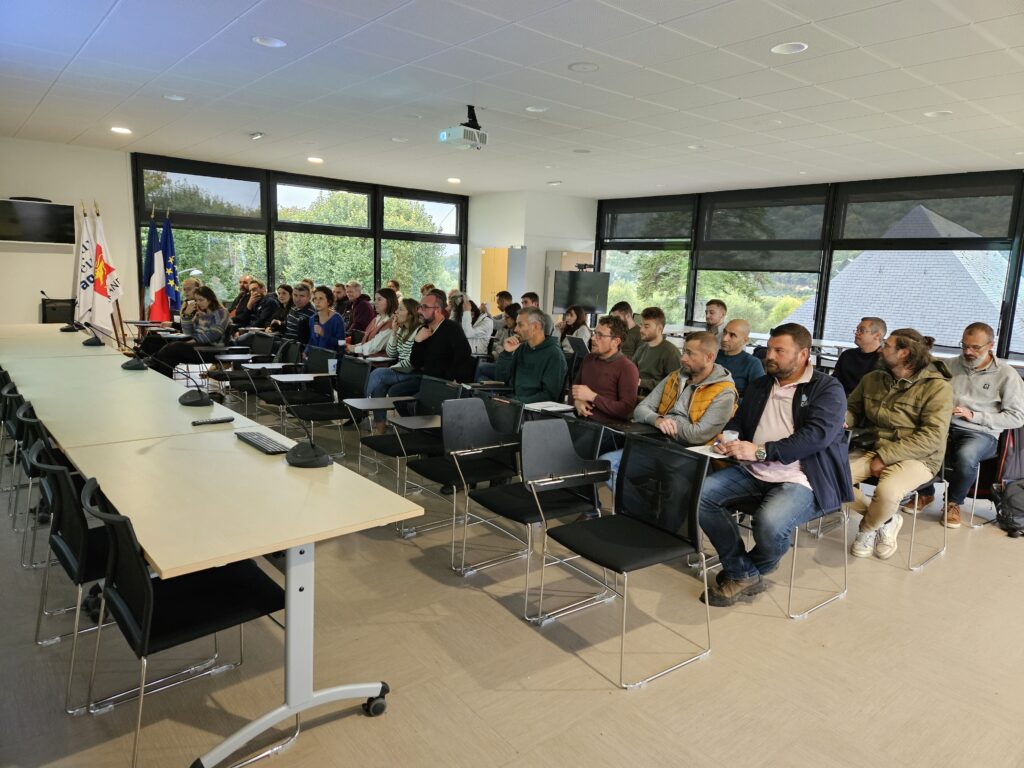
pixel 945 534
pixel 138 717
pixel 96 652
pixel 974 500
pixel 844 520
pixel 74 650
pixel 622 636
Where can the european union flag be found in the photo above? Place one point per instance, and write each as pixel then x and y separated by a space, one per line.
pixel 170 267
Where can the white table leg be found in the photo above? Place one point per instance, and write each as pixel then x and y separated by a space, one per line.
pixel 298 669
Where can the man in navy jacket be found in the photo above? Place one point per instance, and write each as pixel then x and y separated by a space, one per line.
pixel 793 465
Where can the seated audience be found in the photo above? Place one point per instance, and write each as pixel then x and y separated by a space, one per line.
pixel 359 313
pixel 574 323
pixel 486 371
pixel 243 295
pixel 743 366
pixel 714 317
pixel 988 397
pixel 624 312
pixel 853 364
pixel 502 299
pixel 326 327
pixel 531 362
pixel 399 378
pixel 476 325
pixel 606 383
pixel 340 299
pixel 425 289
pixel 531 299
pixel 385 303
pixel 206 326
pixel 296 324
pixel 794 465
pixel 284 300
pixel 259 309
pixel 441 349
pixel 656 357
pixel 900 414
pixel 396 287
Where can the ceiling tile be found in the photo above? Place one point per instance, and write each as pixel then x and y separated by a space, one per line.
pixel 836 66
pixel 516 11
pixel 352 64
pixel 690 97
pixel 519 45
pixel 797 98
pixel 733 110
pixel 875 84
pixel 735 21
pixel 815 10
pixel 758 83
pixel 708 67
pixel 819 41
pixel 25 61
pixel 462 62
pixel 398 43
pixel 991 64
pixel 443 20
pixel 1008 30
pixel 365 9
pixel 642 82
pixel 914 98
pixel 584 22
pixel 988 87
pixel 652 45
pixel 53 25
pixel 906 18
pixel 935 46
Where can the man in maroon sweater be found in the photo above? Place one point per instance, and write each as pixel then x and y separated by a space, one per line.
pixel 605 388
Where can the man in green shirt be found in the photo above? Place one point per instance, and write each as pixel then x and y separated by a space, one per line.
pixel 624 312
pixel 656 357
pixel 531 362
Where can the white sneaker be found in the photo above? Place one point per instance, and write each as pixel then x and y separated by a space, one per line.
pixel 864 544
pixel 885 546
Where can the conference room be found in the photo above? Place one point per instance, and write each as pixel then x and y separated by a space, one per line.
pixel 803 162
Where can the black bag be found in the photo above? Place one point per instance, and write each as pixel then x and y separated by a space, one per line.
pixel 1009 502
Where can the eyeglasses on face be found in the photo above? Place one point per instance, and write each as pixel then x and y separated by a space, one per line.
pixel 975 347
pixel 597 335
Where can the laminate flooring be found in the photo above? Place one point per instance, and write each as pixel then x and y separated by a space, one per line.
pixel 911 669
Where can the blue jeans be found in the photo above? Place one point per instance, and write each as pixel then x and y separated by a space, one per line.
pixel 387 382
pixel 782 507
pixel 965 451
pixel 615 457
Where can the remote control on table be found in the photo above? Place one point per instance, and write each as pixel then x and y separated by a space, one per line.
pixel 218 420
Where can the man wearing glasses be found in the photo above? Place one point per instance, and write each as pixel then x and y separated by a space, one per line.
pixel 605 389
pixel 854 364
pixel 988 397
pixel 441 349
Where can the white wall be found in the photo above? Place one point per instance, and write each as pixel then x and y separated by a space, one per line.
pixel 496 220
pixel 65 174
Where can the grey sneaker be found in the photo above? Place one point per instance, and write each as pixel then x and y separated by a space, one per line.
pixel 885 546
pixel 864 544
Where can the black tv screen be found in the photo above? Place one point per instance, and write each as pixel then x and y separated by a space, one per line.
pixel 30 222
pixel 588 290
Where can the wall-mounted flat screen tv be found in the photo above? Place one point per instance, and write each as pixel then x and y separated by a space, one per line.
pixel 588 290
pixel 27 221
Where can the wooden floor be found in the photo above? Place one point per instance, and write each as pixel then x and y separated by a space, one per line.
pixel 912 669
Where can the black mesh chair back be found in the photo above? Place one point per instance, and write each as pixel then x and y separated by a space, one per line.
pixel 290 352
pixel 262 344
pixel 352 377
pixel 28 432
pixel 549 452
pixel 128 589
pixel 69 529
pixel 433 393
pixel 318 360
pixel 586 437
pixel 465 426
pixel 659 483
pixel 506 415
pixel 12 402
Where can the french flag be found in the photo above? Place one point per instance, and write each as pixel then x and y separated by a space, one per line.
pixel 155 279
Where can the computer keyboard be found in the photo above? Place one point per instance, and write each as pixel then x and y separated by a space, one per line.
pixel 261 442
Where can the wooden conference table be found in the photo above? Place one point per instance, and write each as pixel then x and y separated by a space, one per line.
pixel 127 429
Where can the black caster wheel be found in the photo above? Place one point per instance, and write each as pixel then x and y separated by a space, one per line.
pixel 375 707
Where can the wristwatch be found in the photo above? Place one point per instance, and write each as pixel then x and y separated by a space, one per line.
pixel 760 453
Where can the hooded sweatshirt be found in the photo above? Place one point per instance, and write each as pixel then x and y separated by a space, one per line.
pixel 905 418
pixel 709 424
pixel 536 373
pixel 995 393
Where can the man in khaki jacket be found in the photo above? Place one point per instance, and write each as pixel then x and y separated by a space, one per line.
pixel 901 414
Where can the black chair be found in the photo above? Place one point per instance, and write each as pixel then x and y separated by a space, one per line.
pixel 258 382
pixel 10 401
pixel 319 391
pixel 401 445
pixel 261 348
pixel 658 492
pixel 158 614
pixel 28 431
pixel 481 439
pixel 561 474
pixel 80 550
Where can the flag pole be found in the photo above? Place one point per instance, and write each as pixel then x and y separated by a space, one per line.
pixel 119 330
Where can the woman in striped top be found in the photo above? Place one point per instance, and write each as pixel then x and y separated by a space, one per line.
pixel 205 327
pixel 399 378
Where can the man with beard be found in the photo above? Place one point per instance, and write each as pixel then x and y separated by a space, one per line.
pixel 656 357
pixel 988 397
pixel 795 465
pixel 901 412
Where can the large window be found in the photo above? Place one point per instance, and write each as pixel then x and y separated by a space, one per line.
pixel 764 299
pixel 230 221
pixel 325 259
pixel 649 278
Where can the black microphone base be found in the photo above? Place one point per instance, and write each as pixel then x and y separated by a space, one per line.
pixel 93 342
pixel 135 364
pixel 196 398
pixel 69 328
pixel 308 456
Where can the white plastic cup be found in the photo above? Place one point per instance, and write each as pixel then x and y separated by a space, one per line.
pixel 730 436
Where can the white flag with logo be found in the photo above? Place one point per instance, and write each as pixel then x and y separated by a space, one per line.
pixel 106 283
pixel 84 292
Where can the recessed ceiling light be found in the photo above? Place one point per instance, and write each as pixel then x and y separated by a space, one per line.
pixel 581 151
pixel 173 97
pixel 119 129
pixel 1019 153
pixel 415 117
pixel 315 160
pixel 554 183
pixel 788 49
pixel 583 66
pixel 454 180
pixel 802 173
pixel 939 113
pixel 659 186
pixel 399 139
pixel 269 42
pixel 695 146
pixel 549 167
pixel 775 121
pixel 257 135
pixel 536 109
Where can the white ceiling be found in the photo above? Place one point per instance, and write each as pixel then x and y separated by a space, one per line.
pixel 687 96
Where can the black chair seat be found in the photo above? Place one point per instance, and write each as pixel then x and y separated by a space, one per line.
pixel 319 412
pixel 441 469
pixel 515 502
pixel 303 397
pixel 96 548
pixel 621 543
pixel 419 443
pixel 189 607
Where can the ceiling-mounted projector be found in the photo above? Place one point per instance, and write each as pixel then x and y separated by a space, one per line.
pixel 467 135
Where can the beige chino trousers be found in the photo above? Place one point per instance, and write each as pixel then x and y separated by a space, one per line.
pixel 896 481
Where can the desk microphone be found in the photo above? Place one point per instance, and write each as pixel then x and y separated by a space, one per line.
pixel 306 455
pixel 192 397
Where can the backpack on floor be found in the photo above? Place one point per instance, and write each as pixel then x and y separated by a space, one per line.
pixel 1009 501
